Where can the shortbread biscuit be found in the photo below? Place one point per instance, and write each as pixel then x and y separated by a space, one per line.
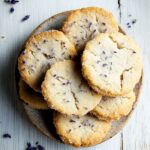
pixel 113 108
pixel 112 64
pixel 65 90
pixel 81 131
pixel 30 97
pixel 83 24
pixel 41 51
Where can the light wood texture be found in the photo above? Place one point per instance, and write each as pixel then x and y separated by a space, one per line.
pixel 136 136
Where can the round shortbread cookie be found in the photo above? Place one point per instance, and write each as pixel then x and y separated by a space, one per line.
pixel 112 64
pixel 83 24
pixel 41 51
pixel 81 131
pixel 113 108
pixel 66 91
pixel 30 97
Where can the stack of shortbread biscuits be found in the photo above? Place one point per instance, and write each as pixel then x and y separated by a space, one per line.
pixel 86 72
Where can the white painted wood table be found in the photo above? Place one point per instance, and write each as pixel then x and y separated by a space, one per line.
pixel 135 136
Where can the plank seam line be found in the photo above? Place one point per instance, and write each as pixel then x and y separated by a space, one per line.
pixel 120 11
pixel 121 140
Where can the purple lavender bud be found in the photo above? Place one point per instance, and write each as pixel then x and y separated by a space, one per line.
pixel 25 18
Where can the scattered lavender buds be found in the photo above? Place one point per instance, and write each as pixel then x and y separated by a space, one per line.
pixel 132 22
pixel 40 147
pixel 87 123
pixel 103 23
pixel 11 1
pixel 85 108
pixel 23 52
pixel 128 25
pixel 25 18
pixel 37 143
pixel 11 10
pixel 104 65
pixel 37 147
pixel 23 62
pixel 28 144
pixel 103 52
pixel 2 37
pixel 62 44
pixel 98 61
pixel 31 148
pixel 44 41
pixel 105 75
pixel 71 120
pixel 6 135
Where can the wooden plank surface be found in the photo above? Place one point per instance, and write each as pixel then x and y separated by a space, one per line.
pixel 136 135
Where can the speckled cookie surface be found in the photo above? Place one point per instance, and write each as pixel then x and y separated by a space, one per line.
pixel 81 131
pixel 112 64
pixel 113 108
pixel 66 91
pixel 83 24
pixel 30 97
pixel 41 51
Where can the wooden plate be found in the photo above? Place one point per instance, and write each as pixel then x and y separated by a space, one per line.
pixel 42 119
